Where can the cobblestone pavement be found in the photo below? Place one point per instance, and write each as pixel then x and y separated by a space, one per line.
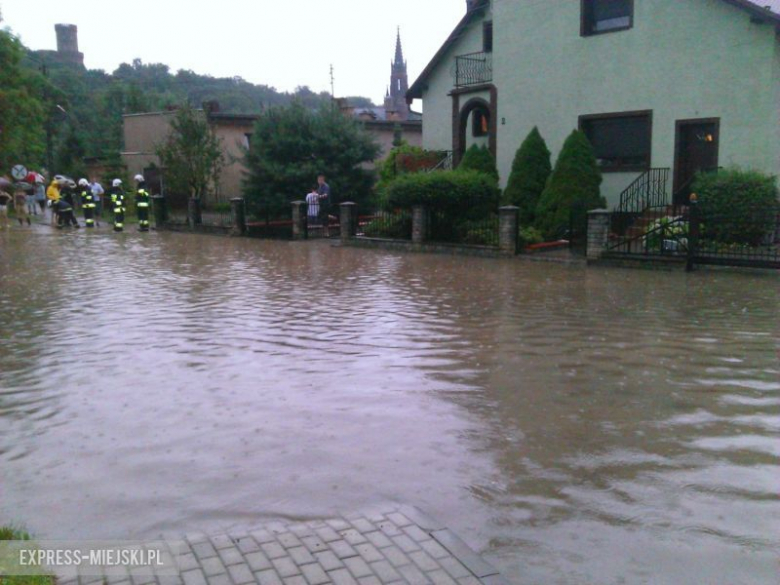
pixel 402 545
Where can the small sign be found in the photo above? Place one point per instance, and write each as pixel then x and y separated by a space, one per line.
pixel 19 172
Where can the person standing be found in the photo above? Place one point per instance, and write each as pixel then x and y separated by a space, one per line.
pixel 324 192
pixel 87 203
pixel 67 206
pixel 53 196
pixel 5 199
pixel 118 204
pixel 97 198
pixel 29 192
pixel 40 193
pixel 142 202
pixel 20 203
pixel 313 207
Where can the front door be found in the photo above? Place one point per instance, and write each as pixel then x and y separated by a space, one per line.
pixel 697 150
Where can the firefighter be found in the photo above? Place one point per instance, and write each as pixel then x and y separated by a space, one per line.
pixel 67 205
pixel 118 204
pixel 87 203
pixel 65 215
pixel 142 201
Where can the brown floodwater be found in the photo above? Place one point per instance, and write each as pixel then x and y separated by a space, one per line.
pixel 574 425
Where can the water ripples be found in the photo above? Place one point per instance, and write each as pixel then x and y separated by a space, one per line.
pixel 546 412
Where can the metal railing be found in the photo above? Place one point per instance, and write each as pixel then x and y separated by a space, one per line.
pixel 649 191
pixel 445 164
pixel 473 69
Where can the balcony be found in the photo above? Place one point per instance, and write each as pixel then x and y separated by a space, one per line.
pixel 473 69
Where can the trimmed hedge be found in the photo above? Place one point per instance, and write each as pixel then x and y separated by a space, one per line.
pixel 469 194
pixel 737 206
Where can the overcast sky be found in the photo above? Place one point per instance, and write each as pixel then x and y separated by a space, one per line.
pixel 283 44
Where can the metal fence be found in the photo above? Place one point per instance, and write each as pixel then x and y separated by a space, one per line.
pixel 220 217
pixel 451 227
pixel 384 221
pixel 745 234
pixel 264 222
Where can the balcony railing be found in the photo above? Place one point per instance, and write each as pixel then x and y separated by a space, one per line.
pixel 473 69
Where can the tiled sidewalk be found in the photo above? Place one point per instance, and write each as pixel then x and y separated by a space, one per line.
pixel 397 546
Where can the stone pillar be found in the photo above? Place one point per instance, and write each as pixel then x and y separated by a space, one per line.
pixel 507 229
pixel 160 211
pixel 194 217
pixel 300 225
pixel 419 224
pixel 598 232
pixel 348 220
pixel 238 212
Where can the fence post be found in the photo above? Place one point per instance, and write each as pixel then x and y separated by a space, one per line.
pixel 598 232
pixel 159 210
pixel 300 226
pixel 419 224
pixel 507 229
pixel 194 217
pixel 239 216
pixel 694 227
pixel 348 220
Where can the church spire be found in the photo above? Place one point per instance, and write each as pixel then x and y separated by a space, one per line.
pixel 395 100
pixel 399 52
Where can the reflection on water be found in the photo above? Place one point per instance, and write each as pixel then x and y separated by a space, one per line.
pixel 579 426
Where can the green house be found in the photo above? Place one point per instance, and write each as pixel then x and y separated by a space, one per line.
pixel 663 88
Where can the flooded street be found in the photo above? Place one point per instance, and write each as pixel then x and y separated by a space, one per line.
pixel 575 426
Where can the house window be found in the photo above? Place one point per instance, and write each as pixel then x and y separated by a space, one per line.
pixel 480 123
pixel 622 142
pixel 247 140
pixel 487 37
pixel 603 16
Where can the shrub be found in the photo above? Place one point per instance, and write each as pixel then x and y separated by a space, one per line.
pixel 480 159
pixel 530 172
pixel 476 233
pixel 408 159
pixel 464 194
pixel 737 206
pixel 573 188
pixel 397 226
pixel 528 236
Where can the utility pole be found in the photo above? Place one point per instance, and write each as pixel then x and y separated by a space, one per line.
pixel 49 123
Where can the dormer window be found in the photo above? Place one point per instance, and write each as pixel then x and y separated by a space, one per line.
pixel 603 16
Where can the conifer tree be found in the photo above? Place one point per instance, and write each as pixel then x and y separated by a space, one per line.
pixel 480 159
pixel 531 170
pixel 574 188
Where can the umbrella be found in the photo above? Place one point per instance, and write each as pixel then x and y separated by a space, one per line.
pixel 5 182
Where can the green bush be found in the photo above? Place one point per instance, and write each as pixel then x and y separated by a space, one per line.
pixel 476 233
pixel 221 207
pixel 737 206
pixel 480 159
pixel 397 226
pixel 530 172
pixel 574 188
pixel 464 194
pixel 528 236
